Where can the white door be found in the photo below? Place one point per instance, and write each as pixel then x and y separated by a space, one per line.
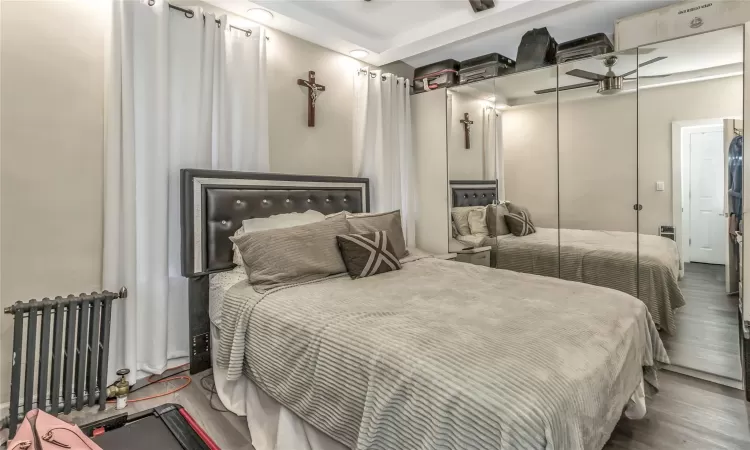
pixel 707 223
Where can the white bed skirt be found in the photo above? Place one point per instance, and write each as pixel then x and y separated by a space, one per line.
pixel 273 427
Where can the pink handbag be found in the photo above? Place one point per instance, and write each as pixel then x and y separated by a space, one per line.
pixel 41 431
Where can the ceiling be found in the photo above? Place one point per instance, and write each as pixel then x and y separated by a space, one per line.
pixel 420 32
pixel 710 55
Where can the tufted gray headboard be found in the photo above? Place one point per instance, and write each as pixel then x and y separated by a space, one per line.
pixel 213 205
pixel 473 192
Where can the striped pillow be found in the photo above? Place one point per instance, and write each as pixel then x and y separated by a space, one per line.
pixel 367 254
pixel 519 221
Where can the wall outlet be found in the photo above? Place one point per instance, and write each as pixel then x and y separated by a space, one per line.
pixel 659 185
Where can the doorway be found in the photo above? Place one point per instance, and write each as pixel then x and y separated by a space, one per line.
pixel 705 344
pixel 703 209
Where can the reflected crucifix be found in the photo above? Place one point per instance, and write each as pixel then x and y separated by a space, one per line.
pixel 315 90
pixel 467 130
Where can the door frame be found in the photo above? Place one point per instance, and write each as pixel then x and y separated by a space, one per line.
pixel 680 218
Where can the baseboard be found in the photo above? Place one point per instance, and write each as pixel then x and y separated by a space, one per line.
pixel 718 379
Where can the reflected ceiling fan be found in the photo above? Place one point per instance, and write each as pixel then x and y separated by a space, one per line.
pixel 608 83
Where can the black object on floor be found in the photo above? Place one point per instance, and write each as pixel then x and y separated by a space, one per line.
pixel 166 427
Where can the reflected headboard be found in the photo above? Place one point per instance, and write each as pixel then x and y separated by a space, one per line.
pixel 473 192
pixel 213 205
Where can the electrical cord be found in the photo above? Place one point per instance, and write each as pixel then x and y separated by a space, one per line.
pixel 210 386
pixel 163 379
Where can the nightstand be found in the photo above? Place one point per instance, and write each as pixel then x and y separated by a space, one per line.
pixel 479 256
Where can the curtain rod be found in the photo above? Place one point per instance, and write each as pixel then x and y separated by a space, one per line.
pixel 189 13
pixel 372 75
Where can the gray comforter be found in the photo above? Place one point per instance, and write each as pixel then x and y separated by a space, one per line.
pixel 601 258
pixel 445 355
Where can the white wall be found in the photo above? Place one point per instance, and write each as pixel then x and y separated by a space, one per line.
pixel 529 148
pixel 598 147
pixel 51 138
pixel 463 163
pixel 52 142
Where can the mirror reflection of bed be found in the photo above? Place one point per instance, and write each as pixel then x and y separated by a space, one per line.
pixel 628 188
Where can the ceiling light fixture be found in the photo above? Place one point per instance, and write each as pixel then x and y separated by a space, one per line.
pixel 358 53
pixel 260 14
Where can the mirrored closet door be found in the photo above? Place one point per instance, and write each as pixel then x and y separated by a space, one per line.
pixel 597 111
pixel 472 168
pixel 528 171
pixel 690 126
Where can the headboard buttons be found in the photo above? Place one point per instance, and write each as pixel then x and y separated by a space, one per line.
pixel 239 202
pixel 223 222
pixel 309 200
pixel 475 195
pixel 328 199
pixel 466 195
pixel 346 199
pixel 288 200
pixel 265 201
pixel 484 195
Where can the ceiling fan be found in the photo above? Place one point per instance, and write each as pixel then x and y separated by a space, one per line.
pixel 608 83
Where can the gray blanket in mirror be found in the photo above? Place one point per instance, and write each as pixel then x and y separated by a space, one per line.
pixel 602 258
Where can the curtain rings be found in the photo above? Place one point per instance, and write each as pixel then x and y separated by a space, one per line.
pixel 189 14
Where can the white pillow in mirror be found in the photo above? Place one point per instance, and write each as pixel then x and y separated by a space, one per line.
pixel 460 215
pixel 478 222
pixel 273 222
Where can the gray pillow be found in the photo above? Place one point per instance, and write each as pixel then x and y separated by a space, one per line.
pixel 368 254
pixel 390 222
pixel 282 256
pixel 460 215
pixel 519 221
pixel 496 219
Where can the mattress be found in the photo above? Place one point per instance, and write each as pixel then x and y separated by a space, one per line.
pixel 218 285
pixel 646 267
pixel 439 346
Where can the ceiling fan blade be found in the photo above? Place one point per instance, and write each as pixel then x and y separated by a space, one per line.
pixel 586 75
pixel 567 88
pixel 655 60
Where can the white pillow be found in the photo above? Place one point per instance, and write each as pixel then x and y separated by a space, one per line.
pixel 273 222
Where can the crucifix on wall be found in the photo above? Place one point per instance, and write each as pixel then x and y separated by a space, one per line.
pixel 467 130
pixel 315 90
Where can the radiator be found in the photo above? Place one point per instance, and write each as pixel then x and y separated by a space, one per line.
pixel 64 345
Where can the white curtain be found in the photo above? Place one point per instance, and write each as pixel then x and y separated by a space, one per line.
pixel 183 93
pixel 499 157
pixel 383 144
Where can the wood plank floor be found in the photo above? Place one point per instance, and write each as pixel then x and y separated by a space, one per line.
pixel 707 336
pixel 687 414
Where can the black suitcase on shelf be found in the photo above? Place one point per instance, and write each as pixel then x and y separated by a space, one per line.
pixel 438 75
pixel 584 47
pixel 537 49
pixel 483 67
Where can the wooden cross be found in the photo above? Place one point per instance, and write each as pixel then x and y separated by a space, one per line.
pixel 315 90
pixel 467 130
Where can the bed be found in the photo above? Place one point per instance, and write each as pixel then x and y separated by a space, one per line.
pixel 437 354
pixel 647 267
